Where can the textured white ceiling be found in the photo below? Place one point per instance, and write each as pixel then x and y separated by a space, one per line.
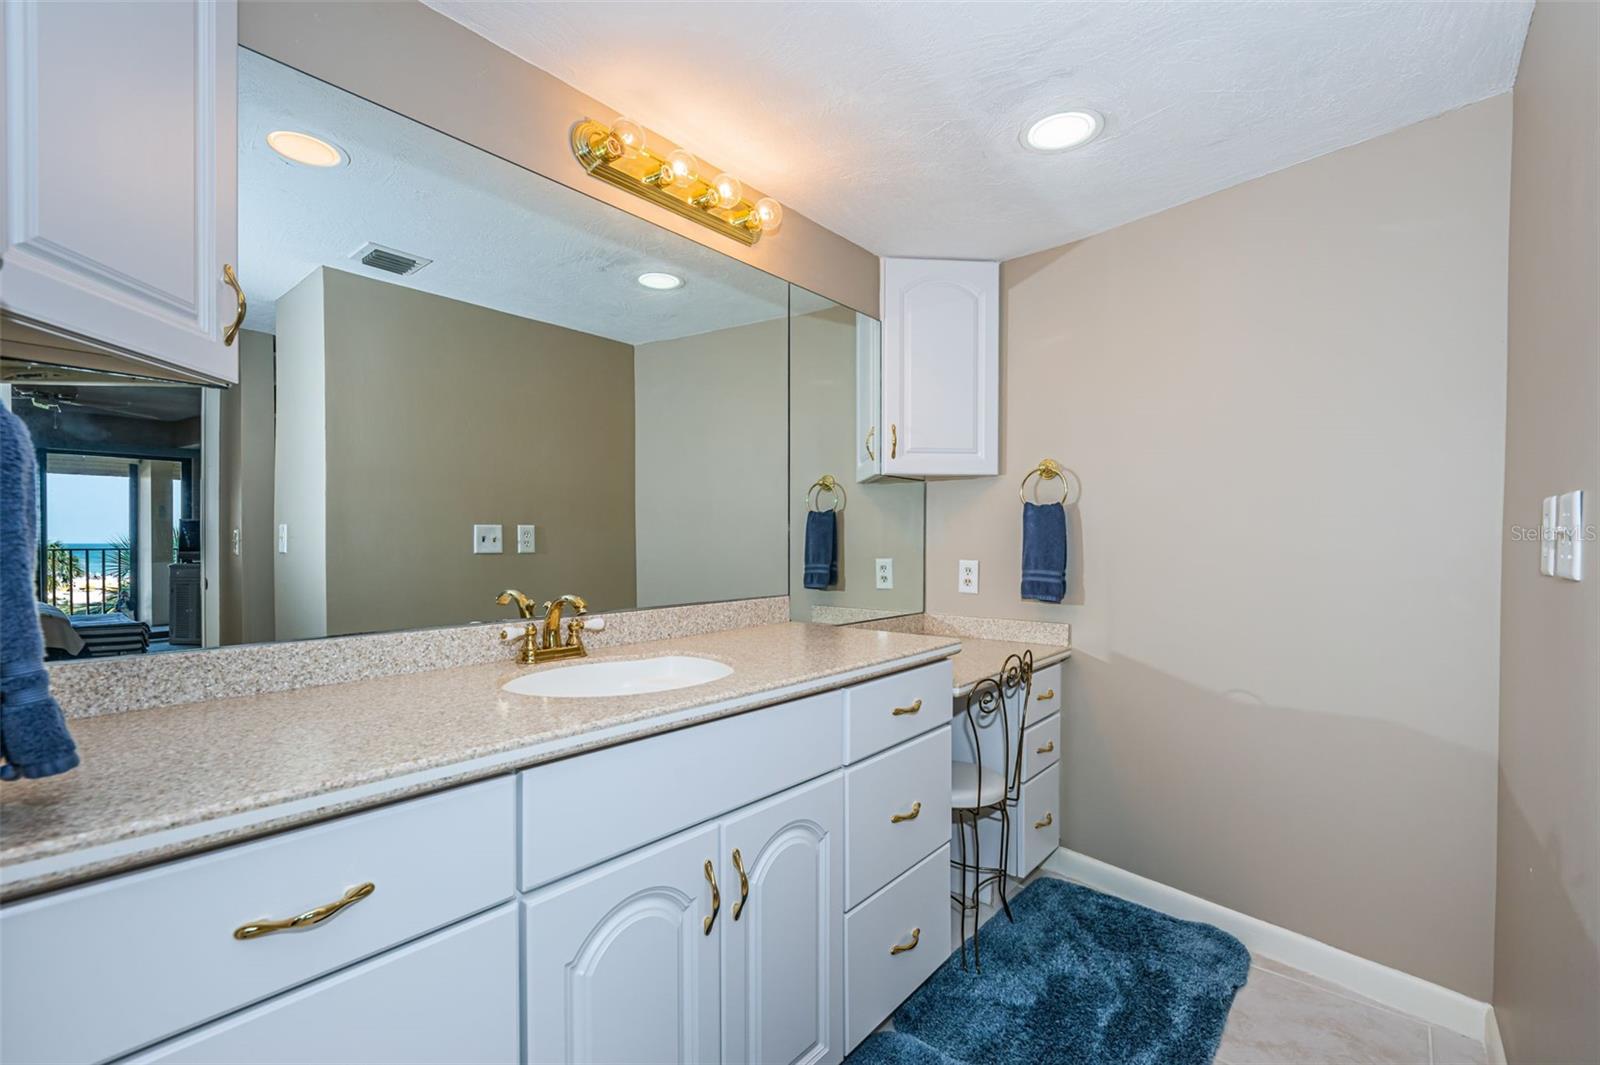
pixel 500 236
pixel 896 124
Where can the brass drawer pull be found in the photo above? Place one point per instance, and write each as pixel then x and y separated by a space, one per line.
pixel 744 883
pixel 716 897
pixel 1049 819
pixel 307 919
pixel 232 279
pixel 916 808
pixel 901 948
pixel 913 708
pixel 894 440
pixel 870 455
pixel 1047 696
pixel 1047 748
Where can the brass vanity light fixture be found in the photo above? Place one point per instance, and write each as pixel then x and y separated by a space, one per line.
pixel 619 156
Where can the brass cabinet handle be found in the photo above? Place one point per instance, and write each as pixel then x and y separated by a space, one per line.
pixel 232 279
pixel 307 919
pixel 1047 748
pixel 744 883
pixel 916 808
pixel 1051 694
pixel 913 708
pixel 870 455
pixel 901 948
pixel 716 897
pixel 1049 819
pixel 894 440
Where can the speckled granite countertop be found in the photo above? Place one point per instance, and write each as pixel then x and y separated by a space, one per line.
pixel 168 781
pixel 985 658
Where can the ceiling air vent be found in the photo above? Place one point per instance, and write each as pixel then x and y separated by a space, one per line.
pixel 390 260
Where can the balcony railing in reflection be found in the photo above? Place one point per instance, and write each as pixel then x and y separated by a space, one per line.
pixel 88 579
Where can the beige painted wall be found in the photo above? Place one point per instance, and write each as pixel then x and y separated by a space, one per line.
pixel 442 415
pixel 880 520
pixel 1547 915
pixel 489 97
pixel 246 471
pixel 300 464
pixel 712 462
pixel 1286 404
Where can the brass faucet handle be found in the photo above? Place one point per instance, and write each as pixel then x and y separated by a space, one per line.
pixel 524 604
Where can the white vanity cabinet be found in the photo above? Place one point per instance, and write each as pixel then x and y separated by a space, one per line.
pixel 117 184
pixel 941 368
pixel 677 898
pixel 670 954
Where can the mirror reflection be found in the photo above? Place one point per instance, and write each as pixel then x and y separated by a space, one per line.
pixel 456 377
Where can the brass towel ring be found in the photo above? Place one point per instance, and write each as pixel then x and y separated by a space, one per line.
pixel 825 483
pixel 1047 470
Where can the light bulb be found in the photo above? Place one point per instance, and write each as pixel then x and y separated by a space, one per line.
pixel 729 191
pixel 770 212
pixel 684 166
pixel 629 132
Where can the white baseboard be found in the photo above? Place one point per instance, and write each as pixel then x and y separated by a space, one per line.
pixel 1395 989
pixel 1491 1040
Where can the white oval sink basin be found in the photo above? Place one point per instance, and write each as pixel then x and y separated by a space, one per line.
pixel 634 677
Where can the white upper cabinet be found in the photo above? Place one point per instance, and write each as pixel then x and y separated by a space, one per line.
pixel 119 175
pixel 941 367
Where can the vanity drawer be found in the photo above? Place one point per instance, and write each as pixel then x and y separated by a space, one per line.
pixel 579 811
pixel 891 710
pixel 93 972
pixel 912 783
pixel 913 911
pixel 1041 746
pixel 450 997
pixel 1036 822
pixel 1046 697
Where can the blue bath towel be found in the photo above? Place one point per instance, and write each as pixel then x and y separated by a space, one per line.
pixel 34 741
pixel 822 549
pixel 1044 551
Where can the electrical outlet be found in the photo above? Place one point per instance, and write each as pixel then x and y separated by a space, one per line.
pixel 967 576
pixel 525 539
pixel 486 540
pixel 885 573
pixel 236 541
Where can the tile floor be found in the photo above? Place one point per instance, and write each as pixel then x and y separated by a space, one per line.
pixel 1283 1016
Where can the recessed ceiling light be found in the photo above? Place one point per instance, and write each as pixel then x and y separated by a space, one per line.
pixel 306 150
pixel 1063 130
pixel 661 281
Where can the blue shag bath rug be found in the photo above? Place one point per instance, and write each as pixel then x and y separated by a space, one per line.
pixel 1081 977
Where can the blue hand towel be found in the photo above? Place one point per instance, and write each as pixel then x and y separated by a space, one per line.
pixel 822 549
pixel 1044 552
pixel 34 741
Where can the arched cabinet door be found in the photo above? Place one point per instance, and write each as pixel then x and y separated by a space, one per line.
pixel 783 954
pixel 941 367
pixel 620 966
pixel 118 176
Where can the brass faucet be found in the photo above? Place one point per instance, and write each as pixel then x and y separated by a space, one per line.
pixel 552 645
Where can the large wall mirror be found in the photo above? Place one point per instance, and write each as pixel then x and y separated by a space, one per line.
pixel 437 340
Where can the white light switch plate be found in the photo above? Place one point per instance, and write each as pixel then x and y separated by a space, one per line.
pixel 283 538
pixel 967 576
pixel 1547 538
pixel 885 572
pixel 525 539
pixel 486 540
pixel 1569 536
